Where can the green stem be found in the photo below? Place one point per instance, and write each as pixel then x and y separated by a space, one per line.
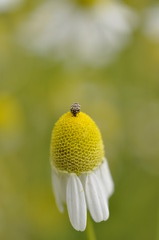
pixel 90 229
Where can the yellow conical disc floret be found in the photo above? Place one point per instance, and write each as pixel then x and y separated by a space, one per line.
pixel 76 144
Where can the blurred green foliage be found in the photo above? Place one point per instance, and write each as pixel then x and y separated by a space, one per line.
pixel 123 99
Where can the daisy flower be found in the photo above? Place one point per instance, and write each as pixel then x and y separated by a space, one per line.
pixel 88 31
pixel 80 174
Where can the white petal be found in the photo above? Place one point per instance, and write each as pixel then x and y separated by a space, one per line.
pixel 76 203
pixel 57 190
pixel 63 182
pixel 97 204
pixel 103 182
pixel 107 178
pixel 104 176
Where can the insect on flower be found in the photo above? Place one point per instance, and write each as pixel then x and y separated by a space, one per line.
pixel 80 174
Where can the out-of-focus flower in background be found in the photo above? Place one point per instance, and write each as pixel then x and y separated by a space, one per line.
pixel 92 32
pixel 151 23
pixel 8 5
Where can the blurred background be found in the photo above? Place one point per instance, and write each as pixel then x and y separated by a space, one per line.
pixel 104 55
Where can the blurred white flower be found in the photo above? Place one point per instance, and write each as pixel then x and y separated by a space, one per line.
pixel 7 5
pixel 65 30
pixel 151 24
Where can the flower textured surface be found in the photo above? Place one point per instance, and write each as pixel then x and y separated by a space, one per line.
pixel 76 144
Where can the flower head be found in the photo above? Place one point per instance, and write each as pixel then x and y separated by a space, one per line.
pixel 80 173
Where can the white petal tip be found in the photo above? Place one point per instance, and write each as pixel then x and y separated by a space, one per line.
pixel 61 209
pixel 79 229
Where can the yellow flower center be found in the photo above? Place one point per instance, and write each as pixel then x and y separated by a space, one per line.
pixel 76 144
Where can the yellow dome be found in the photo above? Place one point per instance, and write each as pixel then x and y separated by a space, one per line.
pixel 76 144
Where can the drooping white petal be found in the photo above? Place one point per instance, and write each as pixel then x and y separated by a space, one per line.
pixel 97 204
pixel 104 176
pixel 107 178
pixel 103 182
pixel 76 203
pixel 63 183
pixel 56 184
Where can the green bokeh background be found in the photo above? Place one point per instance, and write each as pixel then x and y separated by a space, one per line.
pixel 123 99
